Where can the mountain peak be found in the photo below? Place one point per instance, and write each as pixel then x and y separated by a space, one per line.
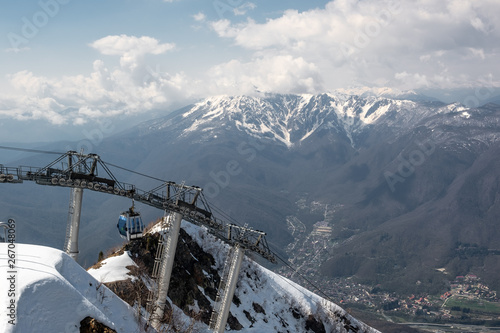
pixel 289 119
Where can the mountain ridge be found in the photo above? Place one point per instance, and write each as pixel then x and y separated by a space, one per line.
pixel 280 117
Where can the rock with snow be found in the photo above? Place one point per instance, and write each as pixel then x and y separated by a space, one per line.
pixel 293 119
pixel 113 268
pixel 264 301
pixel 268 302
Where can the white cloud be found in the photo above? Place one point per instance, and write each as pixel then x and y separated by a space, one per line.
pixel 134 87
pixel 17 50
pixel 279 73
pixel 401 44
pixel 104 93
pixel 371 41
pixel 416 80
pixel 479 53
pixel 199 17
pixel 131 49
pixel 242 10
pixel 35 108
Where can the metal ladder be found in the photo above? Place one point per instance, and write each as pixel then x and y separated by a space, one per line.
pixel 68 227
pixel 158 265
pixel 227 275
pixel 221 292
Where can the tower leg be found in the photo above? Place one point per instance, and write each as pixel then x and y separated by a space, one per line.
pixel 166 270
pixel 75 209
pixel 225 303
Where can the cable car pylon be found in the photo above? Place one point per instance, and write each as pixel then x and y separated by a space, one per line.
pixel 227 287
pixel 163 265
pixel 73 228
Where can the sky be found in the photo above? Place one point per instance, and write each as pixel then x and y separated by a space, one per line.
pixel 69 66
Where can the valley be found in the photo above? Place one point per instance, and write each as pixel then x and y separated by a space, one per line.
pixel 465 300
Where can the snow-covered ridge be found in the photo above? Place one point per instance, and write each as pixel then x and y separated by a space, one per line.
pixel 54 294
pixel 291 119
pixel 296 120
pixel 264 301
pixel 278 296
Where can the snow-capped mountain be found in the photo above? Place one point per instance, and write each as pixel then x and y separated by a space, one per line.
pixel 385 161
pixel 288 119
pixel 293 119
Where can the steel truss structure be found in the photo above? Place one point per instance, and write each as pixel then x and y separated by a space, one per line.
pixel 82 171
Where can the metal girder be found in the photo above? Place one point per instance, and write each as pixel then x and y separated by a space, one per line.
pixel 9 175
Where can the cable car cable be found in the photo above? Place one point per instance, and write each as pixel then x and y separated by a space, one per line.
pixel 301 291
pixel 328 298
pixel 105 164
pixel 224 215
pixel 132 171
pixel 303 277
pixel 29 150
pixel 221 212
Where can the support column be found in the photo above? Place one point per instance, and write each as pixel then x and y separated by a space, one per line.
pixel 75 210
pixel 166 270
pixel 5 231
pixel 232 280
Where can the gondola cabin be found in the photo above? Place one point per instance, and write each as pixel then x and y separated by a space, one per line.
pixel 130 224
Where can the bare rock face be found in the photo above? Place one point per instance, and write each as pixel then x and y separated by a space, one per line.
pixel 314 325
pixel 90 325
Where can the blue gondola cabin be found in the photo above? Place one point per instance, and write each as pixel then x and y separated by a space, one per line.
pixel 130 225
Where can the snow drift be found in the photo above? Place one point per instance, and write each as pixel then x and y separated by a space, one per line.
pixel 54 294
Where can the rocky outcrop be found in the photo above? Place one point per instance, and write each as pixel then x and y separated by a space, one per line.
pixel 90 325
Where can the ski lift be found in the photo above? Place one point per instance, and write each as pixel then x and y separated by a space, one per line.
pixel 130 224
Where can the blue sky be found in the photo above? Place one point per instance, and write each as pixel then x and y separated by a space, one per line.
pixel 70 64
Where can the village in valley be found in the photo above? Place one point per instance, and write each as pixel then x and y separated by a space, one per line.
pixel 466 297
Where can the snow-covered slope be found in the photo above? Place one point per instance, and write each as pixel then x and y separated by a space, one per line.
pixel 264 301
pixel 54 294
pixel 113 269
pixel 270 302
